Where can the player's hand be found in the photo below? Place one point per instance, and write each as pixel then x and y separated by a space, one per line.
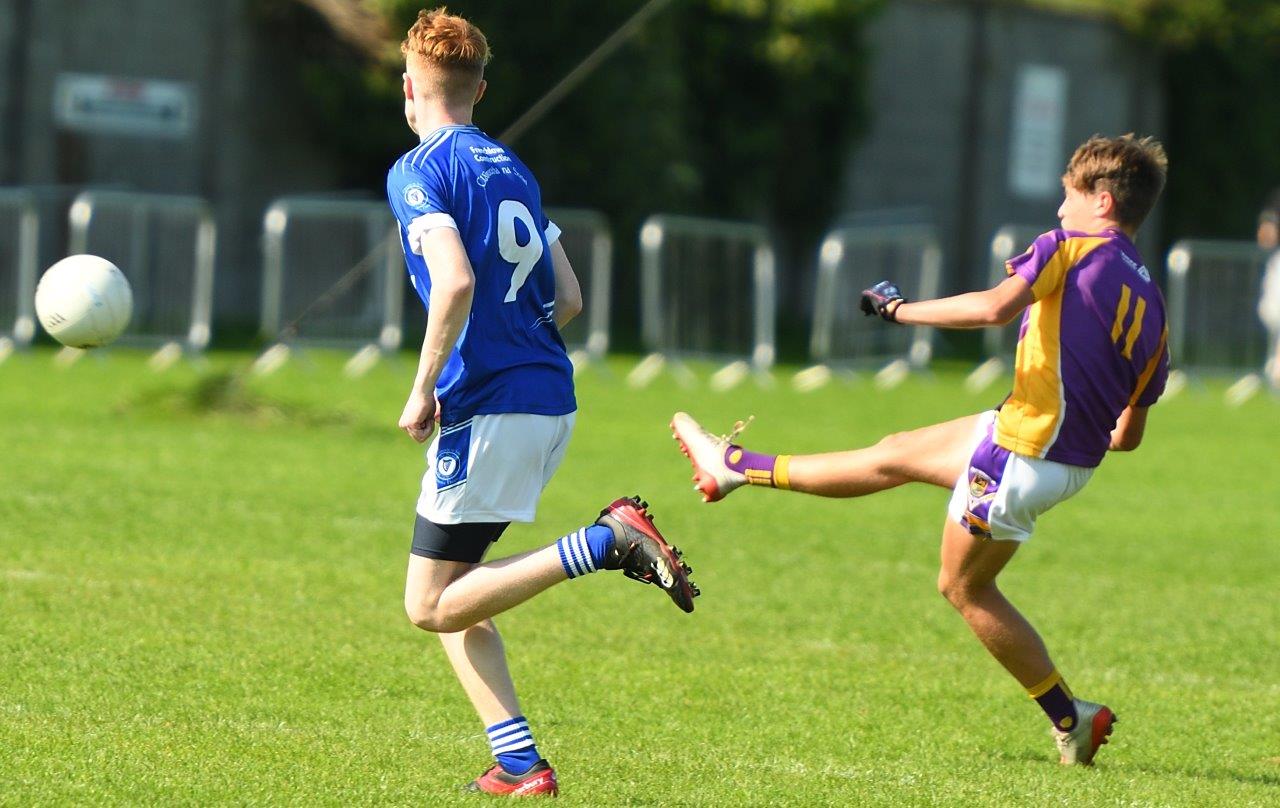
pixel 419 416
pixel 882 299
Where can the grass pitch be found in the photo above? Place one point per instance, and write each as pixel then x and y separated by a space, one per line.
pixel 200 604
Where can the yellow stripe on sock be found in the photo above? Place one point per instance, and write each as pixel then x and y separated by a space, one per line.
pixel 1047 685
pixel 782 472
pixel 758 477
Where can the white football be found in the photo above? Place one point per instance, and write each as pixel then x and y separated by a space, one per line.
pixel 84 301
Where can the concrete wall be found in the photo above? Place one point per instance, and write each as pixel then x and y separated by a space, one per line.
pixel 10 113
pixel 245 148
pixel 943 83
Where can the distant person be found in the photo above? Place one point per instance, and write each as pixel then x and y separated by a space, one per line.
pixel 1269 302
pixel 1269 222
pixel 490 269
pixel 1091 359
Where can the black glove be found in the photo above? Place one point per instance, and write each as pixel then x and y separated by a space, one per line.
pixel 876 300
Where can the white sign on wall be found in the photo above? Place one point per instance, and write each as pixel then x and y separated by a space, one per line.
pixel 120 106
pixel 1036 158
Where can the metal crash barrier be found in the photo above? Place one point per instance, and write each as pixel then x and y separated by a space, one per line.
pixel 708 289
pixel 588 242
pixel 1214 288
pixel 333 273
pixel 166 246
pixel 854 258
pixel 19 264
pixel 1009 242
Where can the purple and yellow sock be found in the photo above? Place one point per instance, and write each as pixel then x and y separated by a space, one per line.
pixel 760 469
pixel 1054 697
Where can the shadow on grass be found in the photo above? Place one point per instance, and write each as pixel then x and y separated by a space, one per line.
pixel 227 394
pixel 1225 775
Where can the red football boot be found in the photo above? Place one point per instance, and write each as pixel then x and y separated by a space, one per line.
pixel 539 781
pixel 641 553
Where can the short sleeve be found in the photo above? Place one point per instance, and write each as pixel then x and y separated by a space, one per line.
pixel 1045 264
pixel 1038 266
pixel 420 200
pixel 551 231
pixel 1155 376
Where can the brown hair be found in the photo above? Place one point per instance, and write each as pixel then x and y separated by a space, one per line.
pixel 1130 168
pixel 451 50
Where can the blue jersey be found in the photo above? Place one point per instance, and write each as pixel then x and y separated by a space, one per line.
pixel 509 356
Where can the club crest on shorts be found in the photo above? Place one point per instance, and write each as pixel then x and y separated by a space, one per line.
pixel 978 483
pixel 448 468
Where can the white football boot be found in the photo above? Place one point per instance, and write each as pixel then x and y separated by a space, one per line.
pixel 711 475
pixel 1079 744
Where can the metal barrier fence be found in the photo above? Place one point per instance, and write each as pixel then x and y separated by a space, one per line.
pixel 166 246
pixel 1009 241
pixel 708 288
pixel 588 241
pixel 852 259
pixel 1214 288
pixel 19 257
pixel 309 246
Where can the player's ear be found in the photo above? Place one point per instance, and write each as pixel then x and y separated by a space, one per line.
pixel 1104 205
pixel 484 85
pixel 408 87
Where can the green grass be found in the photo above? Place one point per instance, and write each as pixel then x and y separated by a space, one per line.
pixel 200 604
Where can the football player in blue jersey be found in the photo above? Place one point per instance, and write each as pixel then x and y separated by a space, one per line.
pixel 493 373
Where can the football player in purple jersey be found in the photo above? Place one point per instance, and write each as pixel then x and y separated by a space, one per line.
pixel 1091 359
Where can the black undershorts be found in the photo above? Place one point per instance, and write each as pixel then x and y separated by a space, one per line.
pixel 463 542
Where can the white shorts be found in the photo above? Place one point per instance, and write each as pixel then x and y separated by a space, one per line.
pixel 1000 494
pixel 492 468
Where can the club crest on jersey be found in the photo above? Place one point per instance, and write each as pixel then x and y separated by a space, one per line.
pixel 415 196
pixel 448 467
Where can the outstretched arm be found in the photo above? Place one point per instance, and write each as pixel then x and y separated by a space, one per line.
pixel 992 307
pixel 452 285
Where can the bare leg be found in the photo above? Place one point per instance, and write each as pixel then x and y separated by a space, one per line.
pixel 475 652
pixel 1274 368
pixel 934 454
pixel 480 662
pixel 451 596
pixel 970 565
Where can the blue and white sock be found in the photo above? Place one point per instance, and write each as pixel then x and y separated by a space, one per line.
pixel 584 551
pixel 513 746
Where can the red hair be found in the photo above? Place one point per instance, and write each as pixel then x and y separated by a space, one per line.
pixel 449 49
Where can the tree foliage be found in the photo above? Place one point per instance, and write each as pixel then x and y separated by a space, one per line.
pixel 1221 68
pixel 731 108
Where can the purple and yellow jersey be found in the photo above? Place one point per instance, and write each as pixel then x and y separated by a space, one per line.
pixel 1093 343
